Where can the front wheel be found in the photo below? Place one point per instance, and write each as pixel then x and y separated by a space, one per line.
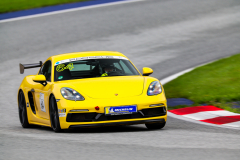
pixel 22 110
pixel 153 126
pixel 54 115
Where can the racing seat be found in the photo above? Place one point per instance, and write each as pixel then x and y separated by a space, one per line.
pixel 97 71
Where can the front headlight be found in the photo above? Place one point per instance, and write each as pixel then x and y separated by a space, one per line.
pixel 71 94
pixel 154 88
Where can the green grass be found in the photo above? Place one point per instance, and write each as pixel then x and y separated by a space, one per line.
pixel 17 5
pixel 216 84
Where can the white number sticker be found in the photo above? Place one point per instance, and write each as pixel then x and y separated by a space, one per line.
pixel 42 105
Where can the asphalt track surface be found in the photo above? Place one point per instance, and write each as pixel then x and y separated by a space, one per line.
pixel 169 36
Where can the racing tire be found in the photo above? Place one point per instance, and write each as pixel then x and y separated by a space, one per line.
pixel 54 118
pixel 22 110
pixel 153 126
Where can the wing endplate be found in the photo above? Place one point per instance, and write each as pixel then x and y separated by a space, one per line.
pixel 27 66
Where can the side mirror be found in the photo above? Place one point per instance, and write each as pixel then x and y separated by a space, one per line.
pixel 147 71
pixel 40 79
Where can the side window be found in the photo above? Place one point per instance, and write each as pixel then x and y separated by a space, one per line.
pixel 125 68
pixel 46 70
pixel 117 66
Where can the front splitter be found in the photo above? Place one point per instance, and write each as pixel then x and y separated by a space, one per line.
pixel 162 120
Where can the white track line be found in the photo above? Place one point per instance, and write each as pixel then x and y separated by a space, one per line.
pixel 172 77
pixel 69 10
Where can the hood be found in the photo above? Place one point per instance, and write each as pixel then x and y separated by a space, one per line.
pixel 109 87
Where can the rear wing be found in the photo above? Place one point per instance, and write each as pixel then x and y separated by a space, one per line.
pixel 27 66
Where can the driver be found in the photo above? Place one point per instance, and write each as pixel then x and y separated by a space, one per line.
pixel 107 69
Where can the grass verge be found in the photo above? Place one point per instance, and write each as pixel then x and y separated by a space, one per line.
pixel 215 84
pixel 17 5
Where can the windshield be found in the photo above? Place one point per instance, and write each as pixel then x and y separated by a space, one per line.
pixel 90 68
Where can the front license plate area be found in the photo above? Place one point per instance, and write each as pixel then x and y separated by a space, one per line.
pixel 120 110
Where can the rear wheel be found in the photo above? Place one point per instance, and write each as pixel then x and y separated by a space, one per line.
pixel 54 115
pixel 153 126
pixel 22 110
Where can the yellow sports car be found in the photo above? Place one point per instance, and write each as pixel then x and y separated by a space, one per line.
pixel 90 89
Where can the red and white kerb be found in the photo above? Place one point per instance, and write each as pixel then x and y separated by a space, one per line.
pixel 210 114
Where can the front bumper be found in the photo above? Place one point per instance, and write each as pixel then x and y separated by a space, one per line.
pixel 112 120
pixel 95 118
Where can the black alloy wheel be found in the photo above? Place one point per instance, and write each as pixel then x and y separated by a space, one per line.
pixel 54 115
pixel 153 126
pixel 22 110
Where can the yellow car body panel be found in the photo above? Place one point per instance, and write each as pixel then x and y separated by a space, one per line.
pixel 98 92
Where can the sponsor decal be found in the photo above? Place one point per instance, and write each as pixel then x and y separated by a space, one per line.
pixel 62 114
pixel 73 59
pixel 60 77
pixel 42 104
pixel 62 67
pixel 65 60
pixel 61 110
pixel 120 110
pixel 80 58
pixel 91 57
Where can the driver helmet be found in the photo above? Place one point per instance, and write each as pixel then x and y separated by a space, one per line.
pixel 109 67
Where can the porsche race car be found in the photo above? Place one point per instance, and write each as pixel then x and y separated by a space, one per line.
pixel 90 89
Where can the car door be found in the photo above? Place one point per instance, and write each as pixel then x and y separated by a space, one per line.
pixel 41 93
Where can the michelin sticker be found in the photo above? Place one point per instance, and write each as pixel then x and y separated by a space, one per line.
pixel 42 105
